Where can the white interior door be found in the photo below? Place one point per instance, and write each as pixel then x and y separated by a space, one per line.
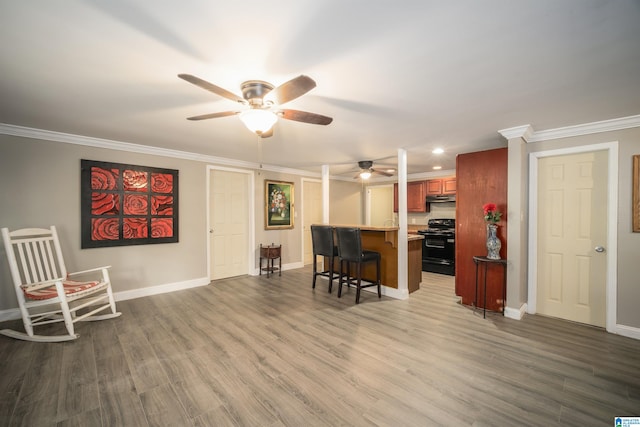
pixel 229 223
pixel 379 211
pixel 572 223
pixel 312 214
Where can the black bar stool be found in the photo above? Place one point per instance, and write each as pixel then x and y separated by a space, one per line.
pixel 322 241
pixel 350 251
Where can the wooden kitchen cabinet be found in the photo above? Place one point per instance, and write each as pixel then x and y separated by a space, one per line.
pixel 436 187
pixel 416 197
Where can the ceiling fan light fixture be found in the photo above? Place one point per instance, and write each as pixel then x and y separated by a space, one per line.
pixel 365 174
pixel 258 121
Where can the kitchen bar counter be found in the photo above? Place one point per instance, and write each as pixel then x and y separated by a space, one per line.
pixel 385 241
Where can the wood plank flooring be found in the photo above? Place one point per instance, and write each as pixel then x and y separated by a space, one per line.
pixel 257 351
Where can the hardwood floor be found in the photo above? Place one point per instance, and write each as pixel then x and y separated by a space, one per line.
pixel 252 351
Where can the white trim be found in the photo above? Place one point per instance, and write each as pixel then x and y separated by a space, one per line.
pixel 251 244
pixel 586 129
pixel 514 313
pixel 612 225
pixel 523 132
pixel 46 135
pixel 627 331
pixel 527 133
pixel 385 290
pixel 403 241
pixel 10 314
pixel 291 266
pixel 160 289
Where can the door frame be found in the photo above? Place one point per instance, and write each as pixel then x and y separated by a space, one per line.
pixel 612 225
pixel 252 215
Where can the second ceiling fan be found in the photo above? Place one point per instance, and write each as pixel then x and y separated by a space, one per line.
pixel 263 100
pixel 366 170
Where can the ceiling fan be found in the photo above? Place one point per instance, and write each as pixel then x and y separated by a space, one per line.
pixel 366 170
pixel 263 100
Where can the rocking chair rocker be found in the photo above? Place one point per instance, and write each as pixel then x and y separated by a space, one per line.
pixel 46 294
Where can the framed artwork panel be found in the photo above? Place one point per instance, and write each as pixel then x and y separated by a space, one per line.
pixel 278 209
pixel 125 204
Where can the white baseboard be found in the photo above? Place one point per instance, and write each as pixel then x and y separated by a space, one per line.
pixel 627 331
pixel 10 314
pixel 515 313
pixel 386 291
pixel 285 267
pixel 14 313
pixel 160 289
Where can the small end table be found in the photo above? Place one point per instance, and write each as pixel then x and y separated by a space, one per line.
pixel 271 253
pixel 486 261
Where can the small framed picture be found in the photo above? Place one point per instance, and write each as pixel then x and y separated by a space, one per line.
pixel 278 209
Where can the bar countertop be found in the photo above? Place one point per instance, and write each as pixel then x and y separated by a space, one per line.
pixel 410 236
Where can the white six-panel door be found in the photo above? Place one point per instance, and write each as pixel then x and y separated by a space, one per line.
pixel 229 223
pixel 572 235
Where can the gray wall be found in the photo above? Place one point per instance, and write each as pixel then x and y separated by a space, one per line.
pixel 40 186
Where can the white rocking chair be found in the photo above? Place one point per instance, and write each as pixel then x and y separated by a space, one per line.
pixel 46 294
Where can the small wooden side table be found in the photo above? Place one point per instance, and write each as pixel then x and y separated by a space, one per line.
pixel 486 261
pixel 271 253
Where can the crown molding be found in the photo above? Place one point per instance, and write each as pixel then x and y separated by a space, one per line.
pixel 586 128
pixel 523 132
pixel 67 138
pixel 527 133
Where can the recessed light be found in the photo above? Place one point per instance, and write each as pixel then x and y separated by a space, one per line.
pixel 438 151
pixel 437 168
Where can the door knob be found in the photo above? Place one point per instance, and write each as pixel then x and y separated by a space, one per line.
pixel 599 248
pixel 211 230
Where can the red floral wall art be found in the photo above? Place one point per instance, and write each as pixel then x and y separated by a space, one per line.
pixel 128 204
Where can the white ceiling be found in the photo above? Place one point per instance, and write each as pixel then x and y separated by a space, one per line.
pixel 414 74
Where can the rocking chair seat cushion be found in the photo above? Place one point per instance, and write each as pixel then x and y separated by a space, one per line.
pixel 70 287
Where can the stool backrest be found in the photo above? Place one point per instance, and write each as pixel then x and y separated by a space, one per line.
pixel 322 240
pixel 349 243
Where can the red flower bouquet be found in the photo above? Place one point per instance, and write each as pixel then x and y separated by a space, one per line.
pixel 491 213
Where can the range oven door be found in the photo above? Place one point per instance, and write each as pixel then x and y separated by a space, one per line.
pixel 438 254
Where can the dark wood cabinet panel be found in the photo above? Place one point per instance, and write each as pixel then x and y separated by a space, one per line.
pixel 449 186
pixel 415 197
pixel 436 187
pixel 481 178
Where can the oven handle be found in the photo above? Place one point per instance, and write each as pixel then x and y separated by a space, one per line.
pixel 433 246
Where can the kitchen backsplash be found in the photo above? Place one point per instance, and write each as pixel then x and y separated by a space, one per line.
pixel 438 210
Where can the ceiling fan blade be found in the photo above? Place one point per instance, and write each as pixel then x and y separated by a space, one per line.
pixel 381 172
pixel 212 88
pixel 214 115
pixel 305 117
pixel 290 90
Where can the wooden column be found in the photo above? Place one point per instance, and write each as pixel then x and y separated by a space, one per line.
pixel 481 178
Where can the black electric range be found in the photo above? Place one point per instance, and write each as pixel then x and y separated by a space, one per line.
pixel 438 246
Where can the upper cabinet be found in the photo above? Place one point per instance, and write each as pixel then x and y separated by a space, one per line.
pixel 417 192
pixel 436 187
pixel 416 196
